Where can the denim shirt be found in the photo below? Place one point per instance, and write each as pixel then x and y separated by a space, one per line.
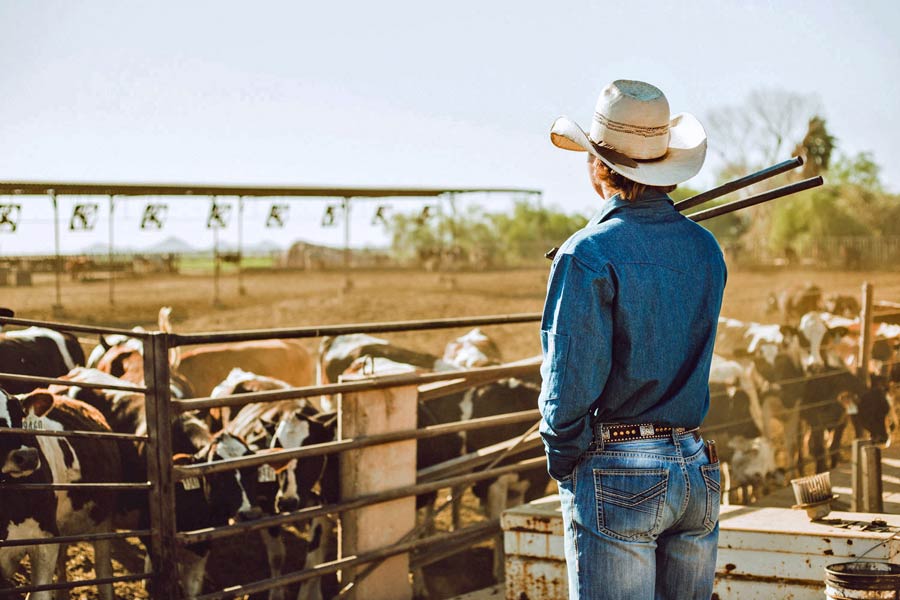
pixel 628 326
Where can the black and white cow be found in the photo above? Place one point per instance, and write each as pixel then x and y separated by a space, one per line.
pixel 203 502
pixel 41 459
pixel 37 351
pixel 294 484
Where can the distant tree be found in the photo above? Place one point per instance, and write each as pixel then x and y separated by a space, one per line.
pixel 815 148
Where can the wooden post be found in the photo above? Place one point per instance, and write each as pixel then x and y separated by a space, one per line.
pixel 376 469
pixel 159 468
pixel 865 335
pixel 857 477
pixel 872 488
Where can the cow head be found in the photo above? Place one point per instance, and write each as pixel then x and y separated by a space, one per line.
pixel 19 453
pixel 474 349
pixel 819 340
pixel 302 426
pixel 229 493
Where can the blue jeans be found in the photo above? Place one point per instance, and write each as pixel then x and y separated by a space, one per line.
pixel 641 520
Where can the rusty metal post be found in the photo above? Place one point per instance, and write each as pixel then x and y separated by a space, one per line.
pixel 242 291
pixel 58 266
pixel 865 335
pixel 348 282
pixel 159 467
pixel 112 272
pixel 375 469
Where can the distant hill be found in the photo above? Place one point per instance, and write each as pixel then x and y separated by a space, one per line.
pixel 170 245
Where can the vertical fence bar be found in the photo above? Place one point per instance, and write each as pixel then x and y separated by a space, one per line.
pixel 348 282
pixel 242 291
pixel 159 467
pixel 112 271
pixel 865 332
pixel 57 262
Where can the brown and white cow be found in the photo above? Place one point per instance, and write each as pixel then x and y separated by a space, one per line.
pixel 41 459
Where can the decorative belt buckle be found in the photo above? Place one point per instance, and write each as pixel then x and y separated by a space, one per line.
pixel 647 429
pixel 604 433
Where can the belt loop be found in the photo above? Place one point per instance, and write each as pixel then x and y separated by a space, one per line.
pixel 674 434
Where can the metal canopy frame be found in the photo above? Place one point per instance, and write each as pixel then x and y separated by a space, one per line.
pixel 53 189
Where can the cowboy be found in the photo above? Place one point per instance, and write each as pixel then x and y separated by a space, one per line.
pixel 627 334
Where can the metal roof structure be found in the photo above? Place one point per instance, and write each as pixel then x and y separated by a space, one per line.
pixel 182 189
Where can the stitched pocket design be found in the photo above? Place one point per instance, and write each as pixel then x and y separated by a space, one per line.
pixel 711 476
pixel 630 502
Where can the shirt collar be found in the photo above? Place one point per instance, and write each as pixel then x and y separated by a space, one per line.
pixel 649 199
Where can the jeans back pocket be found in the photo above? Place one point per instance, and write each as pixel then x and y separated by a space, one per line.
pixel 711 476
pixel 630 502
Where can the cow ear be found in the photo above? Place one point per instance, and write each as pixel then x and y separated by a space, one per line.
pixel 39 403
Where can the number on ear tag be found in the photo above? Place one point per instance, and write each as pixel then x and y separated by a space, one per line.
pixel 191 483
pixel 266 474
pixel 32 422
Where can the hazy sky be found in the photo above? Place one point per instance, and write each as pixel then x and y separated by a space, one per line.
pixel 397 93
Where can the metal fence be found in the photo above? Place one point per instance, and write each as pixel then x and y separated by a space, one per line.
pixel 163 475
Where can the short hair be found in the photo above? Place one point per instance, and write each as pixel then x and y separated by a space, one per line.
pixel 627 188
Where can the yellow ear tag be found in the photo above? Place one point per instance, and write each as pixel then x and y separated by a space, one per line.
pixel 191 483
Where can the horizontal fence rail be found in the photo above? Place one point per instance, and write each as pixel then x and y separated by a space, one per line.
pixel 72 539
pixel 69 383
pixel 94 435
pixel 141 335
pixel 333 330
pixel 306 514
pixel 488 528
pixel 71 585
pixel 362 385
pixel 62 487
pixel 430 431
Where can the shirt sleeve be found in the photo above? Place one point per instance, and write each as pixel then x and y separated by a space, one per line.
pixel 576 340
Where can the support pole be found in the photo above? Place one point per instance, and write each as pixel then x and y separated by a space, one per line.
pixel 112 272
pixel 159 468
pixel 58 266
pixel 348 283
pixel 240 248
pixel 865 339
pixel 217 264
pixel 374 469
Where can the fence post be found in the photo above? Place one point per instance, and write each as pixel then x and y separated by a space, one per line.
pixel 865 335
pixel 159 467
pixel 376 469
pixel 871 481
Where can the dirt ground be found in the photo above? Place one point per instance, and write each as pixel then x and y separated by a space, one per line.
pixel 287 299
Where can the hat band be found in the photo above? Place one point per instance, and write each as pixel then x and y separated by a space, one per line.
pixel 631 129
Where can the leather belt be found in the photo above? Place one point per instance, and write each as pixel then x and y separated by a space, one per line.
pixel 624 432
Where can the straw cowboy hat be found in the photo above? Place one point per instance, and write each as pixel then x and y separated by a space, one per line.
pixel 633 135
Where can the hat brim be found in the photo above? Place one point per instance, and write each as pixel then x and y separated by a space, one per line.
pixel 682 160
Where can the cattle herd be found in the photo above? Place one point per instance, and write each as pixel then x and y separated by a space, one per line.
pixel 93 401
pixel 781 396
